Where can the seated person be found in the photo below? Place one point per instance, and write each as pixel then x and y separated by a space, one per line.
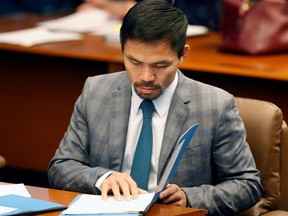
pixel 198 12
pixel 96 155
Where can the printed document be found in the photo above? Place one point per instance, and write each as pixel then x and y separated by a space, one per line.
pixel 17 189
pixel 37 35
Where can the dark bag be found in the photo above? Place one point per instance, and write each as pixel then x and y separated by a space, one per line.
pixel 260 27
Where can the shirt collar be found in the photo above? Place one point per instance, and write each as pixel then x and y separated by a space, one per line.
pixel 161 102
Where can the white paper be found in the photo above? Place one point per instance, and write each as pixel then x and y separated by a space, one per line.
pixel 84 21
pixel 99 22
pixel 5 210
pixel 94 204
pixel 17 189
pixel 196 30
pixel 37 35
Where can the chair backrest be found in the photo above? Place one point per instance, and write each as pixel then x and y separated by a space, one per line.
pixel 267 136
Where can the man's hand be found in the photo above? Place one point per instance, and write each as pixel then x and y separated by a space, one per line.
pixel 116 9
pixel 173 195
pixel 120 184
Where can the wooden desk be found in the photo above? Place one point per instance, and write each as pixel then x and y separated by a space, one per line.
pixel 66 197
pixel 39 85
pixel 204 55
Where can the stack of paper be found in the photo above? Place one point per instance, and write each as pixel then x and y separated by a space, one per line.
pixel 17 189
pixel 70 27
pixel 95 21
pixel 38 35
pixel 94 204
pixel 85 21
pixel 100 22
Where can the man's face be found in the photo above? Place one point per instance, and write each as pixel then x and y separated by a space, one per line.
pixel 151 67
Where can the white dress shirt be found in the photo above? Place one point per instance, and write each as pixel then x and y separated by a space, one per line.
pixel 162 105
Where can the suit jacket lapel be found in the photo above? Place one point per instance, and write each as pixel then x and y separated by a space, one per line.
pixel 177 116
pixel 120 110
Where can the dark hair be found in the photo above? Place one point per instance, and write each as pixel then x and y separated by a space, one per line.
pixel 155 20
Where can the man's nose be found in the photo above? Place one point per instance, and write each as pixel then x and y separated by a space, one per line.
pixel 148 74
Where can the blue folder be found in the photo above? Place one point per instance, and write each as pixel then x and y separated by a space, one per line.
pixel 170 169
pixel 27 205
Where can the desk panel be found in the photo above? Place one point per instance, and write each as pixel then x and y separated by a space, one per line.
pixel 37 99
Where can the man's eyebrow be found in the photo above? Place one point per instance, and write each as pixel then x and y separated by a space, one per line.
pixel 132 58
pixel 164 61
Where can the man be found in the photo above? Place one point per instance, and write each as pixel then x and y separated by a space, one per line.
pixel 217 171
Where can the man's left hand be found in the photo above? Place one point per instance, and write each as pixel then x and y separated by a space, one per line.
pixel 173 195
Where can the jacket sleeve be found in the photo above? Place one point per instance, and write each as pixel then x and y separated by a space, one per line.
pixel 237 181
pixel 69 168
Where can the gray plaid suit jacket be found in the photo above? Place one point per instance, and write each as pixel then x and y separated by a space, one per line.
pixel 217 171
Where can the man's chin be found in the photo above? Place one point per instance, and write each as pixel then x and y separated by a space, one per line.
pixel 148 96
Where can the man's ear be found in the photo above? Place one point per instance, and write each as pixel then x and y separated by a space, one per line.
pixel 185 52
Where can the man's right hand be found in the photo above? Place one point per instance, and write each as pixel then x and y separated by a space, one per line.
pixel 120 184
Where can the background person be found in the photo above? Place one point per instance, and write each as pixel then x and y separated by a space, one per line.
pixel 199 12
pixel 45 7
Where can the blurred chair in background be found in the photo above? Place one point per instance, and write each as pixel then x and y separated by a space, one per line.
pixel 267 135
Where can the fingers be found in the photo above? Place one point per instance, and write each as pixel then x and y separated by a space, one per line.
pixel 84 7
pixel 173 195
pixel 98 3
pixel 116 9
pixel 120 8
pixel 141 191
pixel 129 188
pixel 121 185
pixel 90 4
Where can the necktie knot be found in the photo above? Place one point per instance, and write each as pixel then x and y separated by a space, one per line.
pixel 148 108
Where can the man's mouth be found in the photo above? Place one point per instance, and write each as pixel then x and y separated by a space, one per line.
pixel 146 90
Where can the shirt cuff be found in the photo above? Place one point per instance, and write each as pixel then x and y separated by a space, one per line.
pixel 101 179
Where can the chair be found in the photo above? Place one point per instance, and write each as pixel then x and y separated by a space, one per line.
pixel 2 161
pixel 267 135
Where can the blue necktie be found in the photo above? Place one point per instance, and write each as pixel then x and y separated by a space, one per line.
pixel 142 159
